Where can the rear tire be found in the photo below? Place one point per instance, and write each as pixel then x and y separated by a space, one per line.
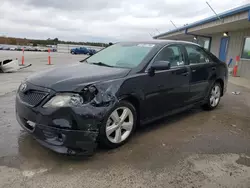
pixel 118 125
pixel 214 97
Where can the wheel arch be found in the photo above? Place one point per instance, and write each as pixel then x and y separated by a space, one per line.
pixel 221 82
pixel 135 101
pixel 211 84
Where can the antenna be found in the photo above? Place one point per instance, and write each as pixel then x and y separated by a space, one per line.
pixel 157 31
pixel 151 35
pixel 173 24
pixel 214 11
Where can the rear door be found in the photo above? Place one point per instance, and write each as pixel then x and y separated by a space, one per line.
pixel 202 70
pixel 167 89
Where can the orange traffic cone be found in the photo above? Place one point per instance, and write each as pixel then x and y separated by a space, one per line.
pixel 49 60
pixel 23 58
pixel 235 69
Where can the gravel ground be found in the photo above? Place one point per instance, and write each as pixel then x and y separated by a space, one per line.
pixel 193 149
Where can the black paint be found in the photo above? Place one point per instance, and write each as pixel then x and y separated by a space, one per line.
pixel 74 130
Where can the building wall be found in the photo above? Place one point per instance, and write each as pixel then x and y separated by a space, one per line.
pixel 235 47
pixel 215 44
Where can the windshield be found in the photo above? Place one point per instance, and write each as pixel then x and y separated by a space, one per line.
pixel 122 55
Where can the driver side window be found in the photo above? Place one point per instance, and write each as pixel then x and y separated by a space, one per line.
pixel 172 54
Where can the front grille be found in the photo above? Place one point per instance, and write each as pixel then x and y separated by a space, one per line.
pixel 32 97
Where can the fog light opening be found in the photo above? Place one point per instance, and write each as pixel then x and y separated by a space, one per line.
pixel 60 137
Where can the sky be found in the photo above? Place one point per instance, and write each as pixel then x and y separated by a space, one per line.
pixel 102 20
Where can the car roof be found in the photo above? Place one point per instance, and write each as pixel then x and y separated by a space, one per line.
pixel 160 42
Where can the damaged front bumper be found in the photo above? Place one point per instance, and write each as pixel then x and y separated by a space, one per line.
pixel 71 142
pixel 68 130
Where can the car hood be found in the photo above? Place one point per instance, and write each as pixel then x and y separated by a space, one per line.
pixel 69 78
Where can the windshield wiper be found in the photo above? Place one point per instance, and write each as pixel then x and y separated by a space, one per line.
pixel 102 64
pixel 84 60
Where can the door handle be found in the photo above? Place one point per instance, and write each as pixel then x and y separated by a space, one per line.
pixel 213 68
pixel 185 74
pixel 194 70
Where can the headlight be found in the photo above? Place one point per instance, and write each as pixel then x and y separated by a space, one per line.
pixel 64 100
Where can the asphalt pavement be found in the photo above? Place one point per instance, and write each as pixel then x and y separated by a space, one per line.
pixel 193 149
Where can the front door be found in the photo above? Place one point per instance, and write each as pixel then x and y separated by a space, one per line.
pixel 167 89
pixel 223 49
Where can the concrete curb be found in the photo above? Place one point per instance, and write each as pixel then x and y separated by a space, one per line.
pixel 240 81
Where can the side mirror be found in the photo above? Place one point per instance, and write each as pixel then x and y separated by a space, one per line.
pixel 159 65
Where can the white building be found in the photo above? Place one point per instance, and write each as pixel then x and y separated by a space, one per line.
pixel 226 36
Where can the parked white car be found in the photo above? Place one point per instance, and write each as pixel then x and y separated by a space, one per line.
pixel 13 48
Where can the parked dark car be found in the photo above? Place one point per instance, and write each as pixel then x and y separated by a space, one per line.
pixel 91 51
pixel 102 100
pixel 19 48
pixel 53 50
pixel 81 50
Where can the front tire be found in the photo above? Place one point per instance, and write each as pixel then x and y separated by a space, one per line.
pixel 214 97
pixel 118 125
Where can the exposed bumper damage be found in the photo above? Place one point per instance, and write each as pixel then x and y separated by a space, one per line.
pixel 72 142
pixel 10 65
pixel 68 130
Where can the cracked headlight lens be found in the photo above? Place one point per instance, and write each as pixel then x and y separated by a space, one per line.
pixel 64 100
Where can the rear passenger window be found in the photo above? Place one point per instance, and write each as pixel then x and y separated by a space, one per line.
pixel 196 55
pixel 172 54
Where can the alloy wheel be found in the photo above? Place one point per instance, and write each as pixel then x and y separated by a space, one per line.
pixel 215 96
pixel 119 125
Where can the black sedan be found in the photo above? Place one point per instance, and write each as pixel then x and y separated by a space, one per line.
pixel 101 100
